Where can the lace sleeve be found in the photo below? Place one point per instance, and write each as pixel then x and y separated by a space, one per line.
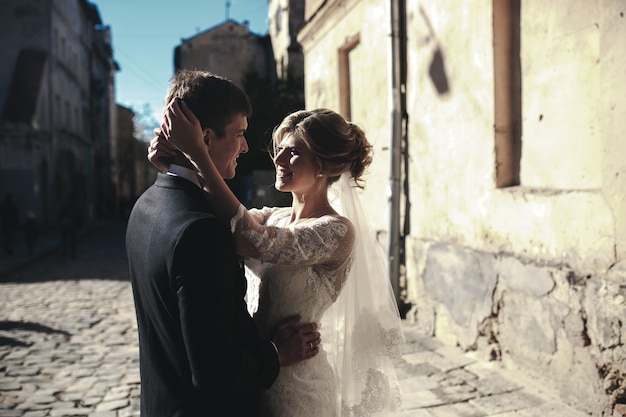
pixel 327 240
pixel 257 215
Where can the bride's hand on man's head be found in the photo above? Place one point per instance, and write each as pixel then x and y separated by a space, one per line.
pixel 160 150
pixel 182 128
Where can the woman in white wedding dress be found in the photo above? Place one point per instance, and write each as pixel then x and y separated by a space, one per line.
pixel 298 262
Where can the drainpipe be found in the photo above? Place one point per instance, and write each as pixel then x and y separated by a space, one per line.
pixel 398 128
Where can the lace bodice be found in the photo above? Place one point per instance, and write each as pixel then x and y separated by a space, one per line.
pixel 302 265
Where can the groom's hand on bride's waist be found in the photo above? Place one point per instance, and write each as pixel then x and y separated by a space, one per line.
pixel 295 341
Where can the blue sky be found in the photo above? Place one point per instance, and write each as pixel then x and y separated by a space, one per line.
pixel 145 33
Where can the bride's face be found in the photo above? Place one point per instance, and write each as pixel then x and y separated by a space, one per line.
pixel 296 169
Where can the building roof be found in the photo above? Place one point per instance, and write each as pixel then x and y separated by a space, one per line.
pixel 244 27
pixel 21 102
pixel 92 12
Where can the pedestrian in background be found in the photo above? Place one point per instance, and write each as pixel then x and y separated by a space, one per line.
pixel 31 231
pixel 70 217
pixel 10 222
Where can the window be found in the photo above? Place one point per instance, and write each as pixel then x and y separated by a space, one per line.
pixel 57 107
pixel 68 116
pixel 507 91
pixel 85 125
pixel 56 42
pixel 63 48
pixel 345 105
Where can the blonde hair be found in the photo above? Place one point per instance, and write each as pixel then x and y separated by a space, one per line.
pixel 337 145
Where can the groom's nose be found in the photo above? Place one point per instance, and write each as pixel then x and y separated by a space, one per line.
pixel 244 145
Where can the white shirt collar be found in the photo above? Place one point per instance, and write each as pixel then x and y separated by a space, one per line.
pixel 188 174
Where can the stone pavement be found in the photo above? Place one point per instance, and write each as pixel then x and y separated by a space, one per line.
pixel 442 381
pixel 68 347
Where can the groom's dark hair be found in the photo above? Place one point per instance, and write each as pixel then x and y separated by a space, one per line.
pixel 213 99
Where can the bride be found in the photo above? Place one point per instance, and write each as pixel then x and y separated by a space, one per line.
pixel 310 260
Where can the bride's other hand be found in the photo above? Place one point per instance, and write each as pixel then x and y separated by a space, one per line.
pixel 183 129
pixel 160 151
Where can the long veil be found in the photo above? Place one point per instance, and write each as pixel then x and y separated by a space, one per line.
pixel 362 331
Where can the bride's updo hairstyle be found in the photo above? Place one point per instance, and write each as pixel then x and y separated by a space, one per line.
pixel 337 145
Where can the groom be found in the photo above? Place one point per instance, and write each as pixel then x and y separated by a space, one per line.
pixel 200 350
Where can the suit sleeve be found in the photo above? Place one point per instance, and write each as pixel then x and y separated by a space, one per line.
pixel 221 339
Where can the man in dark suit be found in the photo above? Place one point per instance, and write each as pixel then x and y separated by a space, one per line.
pixel 200 351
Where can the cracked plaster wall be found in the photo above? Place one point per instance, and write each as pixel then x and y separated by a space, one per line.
pixel 565 329
pixel 533 275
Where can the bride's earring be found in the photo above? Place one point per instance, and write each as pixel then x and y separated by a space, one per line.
pixel 320 175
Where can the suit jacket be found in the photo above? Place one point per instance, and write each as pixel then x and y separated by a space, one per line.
pixel 200 351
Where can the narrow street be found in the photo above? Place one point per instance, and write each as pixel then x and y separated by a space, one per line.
pixel 67 333
pixel 68 347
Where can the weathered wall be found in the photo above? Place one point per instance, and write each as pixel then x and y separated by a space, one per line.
pixel 530 273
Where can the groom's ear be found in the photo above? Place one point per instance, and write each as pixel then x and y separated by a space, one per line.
pixel 208 137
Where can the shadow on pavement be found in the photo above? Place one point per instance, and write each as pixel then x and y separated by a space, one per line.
pixel 28 327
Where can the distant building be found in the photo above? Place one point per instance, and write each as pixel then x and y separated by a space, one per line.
pixel 228 49
pixel 286 18
pixel 56 105
pixel 508 117
pixel 132 172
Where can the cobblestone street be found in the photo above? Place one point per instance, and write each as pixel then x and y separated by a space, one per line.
pixel 68 347
pixel 67 334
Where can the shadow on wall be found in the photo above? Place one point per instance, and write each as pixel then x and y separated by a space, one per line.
pixel 437 68
pixel 437 72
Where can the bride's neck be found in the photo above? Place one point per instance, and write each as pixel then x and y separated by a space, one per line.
pixel 304 208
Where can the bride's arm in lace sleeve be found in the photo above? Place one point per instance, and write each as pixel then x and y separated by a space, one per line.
pixel 327 240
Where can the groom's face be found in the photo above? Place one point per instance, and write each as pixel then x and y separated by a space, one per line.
pixel 225 150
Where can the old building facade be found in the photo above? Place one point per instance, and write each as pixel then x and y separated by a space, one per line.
pixel 56 105
pixel 508 117
pixel 286 18
pixel 228 49
pixel 132 173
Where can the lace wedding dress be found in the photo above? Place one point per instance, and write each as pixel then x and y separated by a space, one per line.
pixel 302 268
